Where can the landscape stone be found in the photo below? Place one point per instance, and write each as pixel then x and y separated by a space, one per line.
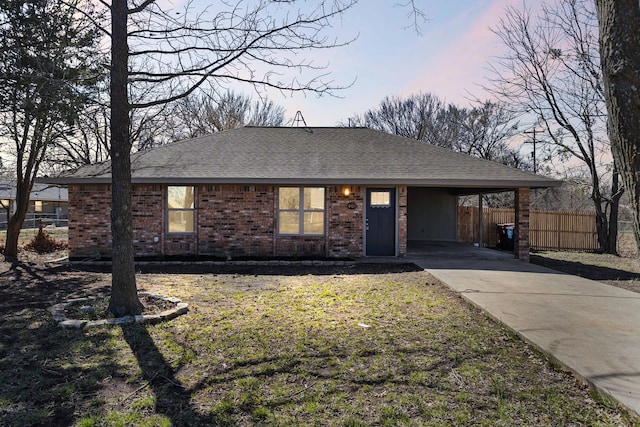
pixel 59 316
pixel 72 324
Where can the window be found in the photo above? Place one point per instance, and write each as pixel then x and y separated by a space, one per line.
pixel 380 199
pixel 301 211
pixel 180 209
pixel 37 205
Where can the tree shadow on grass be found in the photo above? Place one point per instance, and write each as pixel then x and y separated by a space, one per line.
pixel 49 375
pixel 29 286
pixel 588 271
pixel 172 399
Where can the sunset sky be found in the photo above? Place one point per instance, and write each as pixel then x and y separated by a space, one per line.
pixel 449 59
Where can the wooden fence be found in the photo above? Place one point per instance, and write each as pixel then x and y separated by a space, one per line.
pixel 547 229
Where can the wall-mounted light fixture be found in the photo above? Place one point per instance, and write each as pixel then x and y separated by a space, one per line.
pixel 346 191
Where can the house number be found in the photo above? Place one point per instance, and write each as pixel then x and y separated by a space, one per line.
pixel 351 205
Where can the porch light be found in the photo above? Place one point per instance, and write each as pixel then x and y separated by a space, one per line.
pixel 346 191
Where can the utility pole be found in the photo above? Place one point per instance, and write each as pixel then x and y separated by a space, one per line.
pixel 533 141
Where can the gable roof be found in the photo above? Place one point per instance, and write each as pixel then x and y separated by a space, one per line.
pixel 288 155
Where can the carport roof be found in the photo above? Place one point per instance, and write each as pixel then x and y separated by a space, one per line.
pixel 318 155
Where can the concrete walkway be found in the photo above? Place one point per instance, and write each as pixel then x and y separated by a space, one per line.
pixel 591 328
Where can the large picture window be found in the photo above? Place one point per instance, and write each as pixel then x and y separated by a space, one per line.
pixel 180 209
pixel 301 210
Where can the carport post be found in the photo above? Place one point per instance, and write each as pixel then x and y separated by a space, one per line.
pixel 521 246
pixel 480 220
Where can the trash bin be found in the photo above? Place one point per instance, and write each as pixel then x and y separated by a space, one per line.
pixel 506 236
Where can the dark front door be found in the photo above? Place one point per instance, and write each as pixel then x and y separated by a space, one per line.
pixel 381 221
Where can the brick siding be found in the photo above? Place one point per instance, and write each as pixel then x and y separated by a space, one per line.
pixel 402 220
pixel 236 220
pixel 89 222
pixel 345 222
pixel 521 246
pixel 231 220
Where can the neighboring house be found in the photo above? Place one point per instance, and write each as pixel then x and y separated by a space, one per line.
pixel 46 202
pixel 287 192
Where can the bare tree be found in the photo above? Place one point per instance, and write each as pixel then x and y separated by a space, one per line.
pixel 202 114
pixel 166 54
pixel 619 41
pixel 421 116
pixel 484 131
pixel 45 79
pixel 481 131
pixel 551 72
pixel 86 143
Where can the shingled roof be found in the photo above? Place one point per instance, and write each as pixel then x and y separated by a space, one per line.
pixel 287 155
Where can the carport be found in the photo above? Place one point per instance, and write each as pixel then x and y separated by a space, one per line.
pixel 454 250
pixel 432 218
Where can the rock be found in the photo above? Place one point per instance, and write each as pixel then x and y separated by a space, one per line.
pixel 120 320
pixel 72 324
pixel 87 309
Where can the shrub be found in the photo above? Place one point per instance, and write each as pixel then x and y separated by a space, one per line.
pixel 42 243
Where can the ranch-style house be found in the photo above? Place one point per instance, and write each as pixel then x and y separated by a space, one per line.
pixel 330 192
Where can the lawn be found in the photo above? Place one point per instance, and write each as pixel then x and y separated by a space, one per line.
pixel 336 348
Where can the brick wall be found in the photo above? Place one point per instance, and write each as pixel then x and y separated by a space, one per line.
pixel 89 221
pixel 521 244
pixel 147 201
pixel 345 219
pixel 402 220
pixel 236 220
pixel 231 220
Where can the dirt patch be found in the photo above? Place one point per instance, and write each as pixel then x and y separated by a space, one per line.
pixel 97 308
pixel 29 285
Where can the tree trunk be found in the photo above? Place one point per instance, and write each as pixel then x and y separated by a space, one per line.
pixel 607 226
pixel 602 228
pixel 619 24
pixel 14 225
pixel 604 207
pixel 124 294
pixel 616 193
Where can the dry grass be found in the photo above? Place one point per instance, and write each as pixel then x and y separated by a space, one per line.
pixel 338 349
pixel 334 349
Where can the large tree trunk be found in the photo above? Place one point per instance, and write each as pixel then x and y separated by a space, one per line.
pixel 14 225
pixel 124 294
pixel 606 210
pixel 619 23
pixel 614 207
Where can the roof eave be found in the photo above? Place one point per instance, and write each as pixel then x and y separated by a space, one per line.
pixel 444 183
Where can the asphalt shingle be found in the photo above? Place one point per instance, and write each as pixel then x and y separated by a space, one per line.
pixel 310 155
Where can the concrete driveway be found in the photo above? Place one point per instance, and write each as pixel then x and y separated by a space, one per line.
pixel 591 328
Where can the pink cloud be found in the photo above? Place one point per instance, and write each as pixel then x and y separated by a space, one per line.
pixel 458 67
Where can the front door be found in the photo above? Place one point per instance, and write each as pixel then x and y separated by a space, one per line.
pixel 381 222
